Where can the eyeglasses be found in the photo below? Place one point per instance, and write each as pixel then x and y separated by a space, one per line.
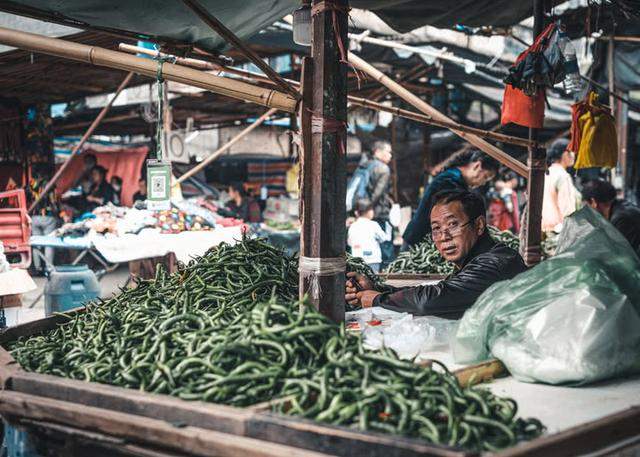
pixel 452 229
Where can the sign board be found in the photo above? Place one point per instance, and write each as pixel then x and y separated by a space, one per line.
pixel 158 185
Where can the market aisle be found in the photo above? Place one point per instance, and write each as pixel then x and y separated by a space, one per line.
pixel 108 284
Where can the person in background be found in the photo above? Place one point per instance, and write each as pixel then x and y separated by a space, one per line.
pixel 623 215
pixel 44 218
pixel 561 198
pixel 241 206
pixel 101 191
pixel 116 185
pixel 379 191
pixel 141 194
pixel 459 230
pixel 365 235
pixel 465 170
pixel 89 162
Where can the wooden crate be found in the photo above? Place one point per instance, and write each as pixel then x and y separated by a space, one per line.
pixel 172 425
pixel 138 423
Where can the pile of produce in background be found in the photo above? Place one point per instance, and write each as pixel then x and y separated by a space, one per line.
pixel 424 258
pixel 227 328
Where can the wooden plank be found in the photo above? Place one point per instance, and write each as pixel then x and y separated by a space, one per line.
pixel 220 418
pixel 34 327
pixel 136 429
pixel 8 367
pixel 482 372
pixel 340 440
pixel 583 439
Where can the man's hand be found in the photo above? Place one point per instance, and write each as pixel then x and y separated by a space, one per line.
pixel 366 297
pixel 357 284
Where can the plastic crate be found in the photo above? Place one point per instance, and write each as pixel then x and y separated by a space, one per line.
pixel 15 227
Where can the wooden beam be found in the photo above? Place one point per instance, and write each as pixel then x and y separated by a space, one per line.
pixel 136 429
pixel 423 106
pixel 231 38
pixel 96 55
pixel 82 141
pixel 77 125
pixel 532 251
pixel 322 238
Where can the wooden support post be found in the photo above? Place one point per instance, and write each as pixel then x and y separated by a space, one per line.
pixel 324 177
pixel 535 182
pixel 82 141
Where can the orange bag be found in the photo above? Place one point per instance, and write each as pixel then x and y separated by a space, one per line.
pixel 517 107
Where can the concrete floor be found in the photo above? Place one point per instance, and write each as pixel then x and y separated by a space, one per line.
pixel 33 302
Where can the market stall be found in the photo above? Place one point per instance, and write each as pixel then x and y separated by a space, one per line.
pixel 222 358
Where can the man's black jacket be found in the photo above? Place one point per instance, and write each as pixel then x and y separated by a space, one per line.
pixel 487 263
pixel 626 218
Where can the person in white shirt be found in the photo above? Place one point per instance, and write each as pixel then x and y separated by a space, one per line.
pixel 561 198
pixel 365 236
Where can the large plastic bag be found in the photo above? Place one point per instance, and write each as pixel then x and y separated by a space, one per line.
pixel 572 319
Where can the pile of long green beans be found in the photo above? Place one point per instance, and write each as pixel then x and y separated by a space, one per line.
pixel 424 258
pixel 379 392
pixel 227 328
pixel 154 337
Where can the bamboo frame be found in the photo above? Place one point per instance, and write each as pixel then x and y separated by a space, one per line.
pixel 113 59
pixel 355 101
pixel 218 27
pixel 423 106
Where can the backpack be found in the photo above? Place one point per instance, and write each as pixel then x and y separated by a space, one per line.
pixel 357 185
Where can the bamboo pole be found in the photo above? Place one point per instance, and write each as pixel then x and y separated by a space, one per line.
pixel 426 119
pixel 82 141
pixel 226 146
pixel 423 106
pixel 356 101
pixel 218 27
pixel 113 59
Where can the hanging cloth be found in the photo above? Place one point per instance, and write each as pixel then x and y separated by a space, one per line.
pixel 524 96
pixel 596 141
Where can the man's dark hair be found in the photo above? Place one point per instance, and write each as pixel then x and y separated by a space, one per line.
pixel 555 151
pixel 363 205
pixel 599 190
pixel 472 204
pixel 100 169
pixel 116 179
pixel 238 187
pixel 462 158
pixel 90 158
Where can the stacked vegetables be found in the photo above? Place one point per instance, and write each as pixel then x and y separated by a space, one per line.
pixel 226 328
pixel 424 258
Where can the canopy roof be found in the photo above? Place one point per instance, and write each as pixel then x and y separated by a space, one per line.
pixel 171 21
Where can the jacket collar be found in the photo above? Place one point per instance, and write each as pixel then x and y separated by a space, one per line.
pixel 484 244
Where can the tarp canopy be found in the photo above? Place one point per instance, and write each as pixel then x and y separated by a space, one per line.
pixel 172 21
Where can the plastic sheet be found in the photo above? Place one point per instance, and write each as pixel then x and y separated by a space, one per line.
pixel 572 319
pixel 409 336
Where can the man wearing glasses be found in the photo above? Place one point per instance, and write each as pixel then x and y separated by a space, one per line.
pixel 459 230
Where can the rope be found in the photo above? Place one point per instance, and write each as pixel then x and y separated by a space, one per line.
pixel 320 124
pixel 312 268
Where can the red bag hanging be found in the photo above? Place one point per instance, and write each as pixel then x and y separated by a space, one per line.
pixel 517 107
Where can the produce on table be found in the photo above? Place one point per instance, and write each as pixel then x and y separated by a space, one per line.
pixel 424 258
pixel 227 328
